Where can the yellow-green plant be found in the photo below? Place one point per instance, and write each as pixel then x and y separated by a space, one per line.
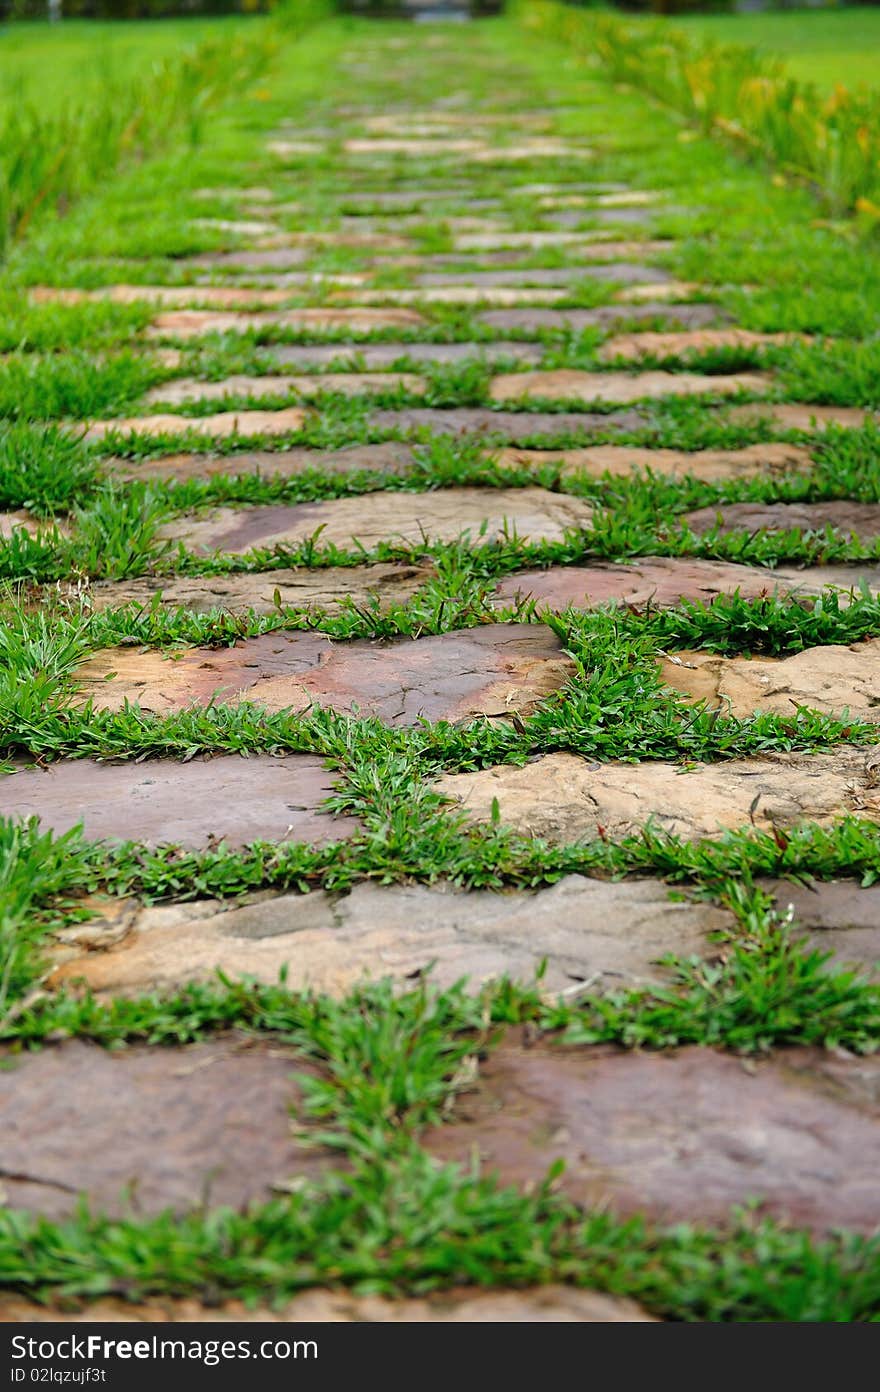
pixel 731 91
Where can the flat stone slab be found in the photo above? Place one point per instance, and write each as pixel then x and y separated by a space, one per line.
pixel 221 296
pixel 271 259
pixel 568 384
pixel 634 347
pixel 859 519
pixel 193 805
pixel 366 145
pixel 604 316
pixel 467 295
pixel 665 580
pixel 683 1137
pixel 503 425
pixel 672 290
pixel 266 591
pixel 838 916
pixel 620 272
pixel 144 1130
pixel 710 466
pixel 385 355
pixel 562 798
pixel 495 670
pixel 23 521
pixel 585 930
pixel 832 679
pixel 194 323
pixel 467 1305
pixel 370 518
pixel 219 426
pixel 790 416
pixel 391 458
pixel 189 389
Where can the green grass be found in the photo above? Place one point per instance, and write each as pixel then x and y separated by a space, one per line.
pixel 828 47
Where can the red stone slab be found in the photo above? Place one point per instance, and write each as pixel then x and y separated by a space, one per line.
pixel 147 1129
pixel 680 1136
pixel 193 805
pixel 860 519
pixel 664 580
pixel 493 670
pixel 839 916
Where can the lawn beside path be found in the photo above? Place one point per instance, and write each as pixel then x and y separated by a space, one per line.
pixel 440 814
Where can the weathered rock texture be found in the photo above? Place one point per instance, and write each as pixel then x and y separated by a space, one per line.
pixel 711 466
pixel 684 1136
pixel 584 930
pixel 267 590
pixel 217 427
pixel 194 805
pixel 836 916
pixel 495 670
pixel 860 519
pixel 562 798
pixel 791 416
pixel 393 517
pixel 634 347
pixel 390 458
pixel 568 384
pixel 192 323
pixel 147 1129
pixel 188 389
pixel 831 679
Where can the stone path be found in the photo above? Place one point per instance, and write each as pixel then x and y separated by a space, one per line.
pixel 426 503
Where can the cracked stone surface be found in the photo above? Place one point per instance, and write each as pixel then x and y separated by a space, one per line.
pixel 391 458
pixel 143 1130
pixel 468 1305
pixel 503 425
pixel 605 316
pixel 384 584
pixel 194 805
pixel 860 519
pixel 568 384
pixel 562 798
pixel 836 916
pixel 495 670
pixel 394 517
pixel 216 427
pixel 789 416
pixel 831 679
pixel 187 389
pixel 664 580
pixel 708 465
pixel 193 323
pixel 586 930
pixel 683 1136
pixel 633 347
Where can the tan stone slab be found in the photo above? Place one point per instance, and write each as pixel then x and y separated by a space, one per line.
pixel 711 466
pixel 629 198
pixel 610 934
pixel 195 804
pixel 217 427
pixel 665 580
pixel 256 194
pixel 23 521
pixel 391 458
pixel 672 290
pixel 144 1130
pixel 293 149
pixel 569 384
pixel 193 323
pixel 790 416
pixel 223 296
pixel 832 679
pixel 370 518
pixel 189 389
pixel 562 798
pixel 497 236
pixel 682 1136
pixel 236 227
pixel 494 671
pixel 468 294
pixel 633 347
pixel 531 149
pixel 364 145
pixel 850 518
pixel 266 591
pixel 467 1305
pixel 603 317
